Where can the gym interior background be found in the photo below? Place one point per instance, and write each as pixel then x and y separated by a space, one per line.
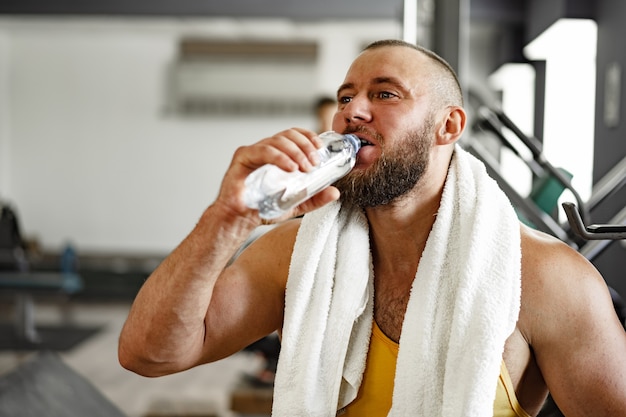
pixel 118 120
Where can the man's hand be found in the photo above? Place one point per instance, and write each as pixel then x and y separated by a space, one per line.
pixel 291 150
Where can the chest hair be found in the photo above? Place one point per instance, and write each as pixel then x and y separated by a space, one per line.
pixel 390 302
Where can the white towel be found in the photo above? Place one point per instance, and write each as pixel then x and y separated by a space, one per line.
pixel 464 304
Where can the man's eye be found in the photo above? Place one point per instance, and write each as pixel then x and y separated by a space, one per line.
pixel 344 99
pixel 386 94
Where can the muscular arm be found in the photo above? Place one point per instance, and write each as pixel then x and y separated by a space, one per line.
pixel 165 329
pixel 193 309
pixel 568 319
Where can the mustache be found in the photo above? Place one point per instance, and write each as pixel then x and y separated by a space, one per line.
pixel 364 130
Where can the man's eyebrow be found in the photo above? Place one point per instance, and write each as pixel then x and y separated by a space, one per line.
pixel 389 80
pixel 344 87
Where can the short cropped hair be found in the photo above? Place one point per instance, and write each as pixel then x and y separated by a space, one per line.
pixel 446 83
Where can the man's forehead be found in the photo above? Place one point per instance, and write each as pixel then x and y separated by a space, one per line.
pixel 386 65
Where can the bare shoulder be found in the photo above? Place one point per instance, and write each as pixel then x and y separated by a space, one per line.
pixel 568 320
pixel 553 271
pixel 542 253
pixel 558 281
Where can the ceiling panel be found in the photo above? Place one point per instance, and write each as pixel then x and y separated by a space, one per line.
pixel 494 11
pixel 293 9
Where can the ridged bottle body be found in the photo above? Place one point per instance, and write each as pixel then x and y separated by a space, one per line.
pixel 273 191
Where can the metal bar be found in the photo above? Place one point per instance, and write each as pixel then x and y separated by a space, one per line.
pixel 595 231
pixel 489 121
pixel 537 150
pixel 608 184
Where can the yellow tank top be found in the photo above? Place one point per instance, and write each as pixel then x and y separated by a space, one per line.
pixel 375 393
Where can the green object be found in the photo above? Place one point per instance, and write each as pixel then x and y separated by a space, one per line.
pixel 547 190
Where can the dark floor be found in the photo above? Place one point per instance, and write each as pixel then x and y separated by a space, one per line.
pixel 95 358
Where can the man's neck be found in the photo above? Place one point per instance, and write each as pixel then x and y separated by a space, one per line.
pixel 398 234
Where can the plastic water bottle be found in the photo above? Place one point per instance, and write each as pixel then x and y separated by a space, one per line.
pixel 273 191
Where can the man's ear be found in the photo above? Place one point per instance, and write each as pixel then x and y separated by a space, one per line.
pixel 452 126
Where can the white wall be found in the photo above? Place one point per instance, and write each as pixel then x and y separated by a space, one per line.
pixel 4 115
pixel 92 157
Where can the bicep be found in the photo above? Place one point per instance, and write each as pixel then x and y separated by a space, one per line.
pixel 248 298
pixel 579 342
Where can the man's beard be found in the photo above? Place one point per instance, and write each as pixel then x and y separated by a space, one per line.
pixel 394 174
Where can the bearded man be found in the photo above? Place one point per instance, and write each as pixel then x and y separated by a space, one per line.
pixel 408 289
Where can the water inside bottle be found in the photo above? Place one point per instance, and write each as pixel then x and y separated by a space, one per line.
pixel 265 190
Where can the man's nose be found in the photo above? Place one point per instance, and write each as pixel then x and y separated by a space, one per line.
pixel 357 111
